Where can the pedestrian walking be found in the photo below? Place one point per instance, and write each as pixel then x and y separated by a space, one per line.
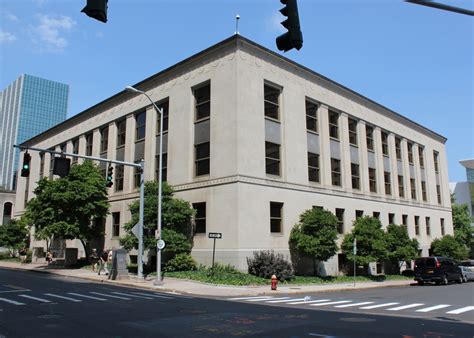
pixel 104 257
pixel 94 259
pixel 49 257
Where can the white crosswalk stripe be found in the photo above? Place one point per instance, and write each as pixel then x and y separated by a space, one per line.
pixel 259 299
pixel 86 296
pixel 286 299
pixel 63 297
pixel 253 297
pixel 354 304
pixel 461 310
pixel 11 301
pixel 378 306
pixel 331 303
pixel 130 295
pixel 273 300
pixel 35 298
pixel 111 296
pixel 404 307
pixel 152 295
pixel 310 301
pixel 432 308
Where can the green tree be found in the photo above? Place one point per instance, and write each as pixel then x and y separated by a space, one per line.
pixel 448 246
pixel 177 214
pixel 371 241
pixel 462 224
pixel 400 248
pixel 67 207
pixel 314 236
pixel 14 236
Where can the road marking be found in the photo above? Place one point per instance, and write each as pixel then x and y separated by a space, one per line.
pixel 378 305
pixel 461 310
pixel 152 295
pixel 129 295
pixel 259 299
pixel 332 303
pixel 63 297
pixel 432 308
pixel 34 298
pixel 11 301
pixel 354 304
pixel 106 295
pixel 405 307
pixel 309 301
pixel 283 300
pixel 254 297
pixel 86 296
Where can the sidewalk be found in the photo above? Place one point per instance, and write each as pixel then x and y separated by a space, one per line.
pixel 200 289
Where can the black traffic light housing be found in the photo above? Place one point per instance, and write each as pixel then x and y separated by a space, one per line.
pixel 25 169
pixel 96 9
pixel 293 38
pixel 110 177
pixel 61 166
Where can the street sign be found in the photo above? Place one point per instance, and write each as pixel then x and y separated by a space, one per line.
pixel 355 246
pixel 135 229
pixel 160 244
pixel 217 235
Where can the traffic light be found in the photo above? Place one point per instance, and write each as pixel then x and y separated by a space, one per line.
pixel 96 9
pixel 61 166
pixel 25 170
pixel 109 180
pixel 293 38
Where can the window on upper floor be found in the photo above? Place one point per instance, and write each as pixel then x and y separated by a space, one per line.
pixel 388 184
pixel 435 159
pixel 75 150
pixel 164 168
pixel 164 106
pixel 421 157
pixel 413 188
pixel 355 176
pixel 89 139
pixel 115 224
pixel 438 193
pixel 369 135
pixel 401 186
pixel 423 190
pixel 311 116
pixel 352 131
pixel 272 102
pixel 119 174
pixel 428 226
pixel 272 158
pixel 336 172
pixel 385 143
pixel 313 167
pixel 334 124
pixel 276 217
pixel 202 101
pixel 121 132
pixel 340 220
pixel 104 139
pixel 372 180
pixel 202 158
pixel 140 126
pixel 398 148
pixel 410 152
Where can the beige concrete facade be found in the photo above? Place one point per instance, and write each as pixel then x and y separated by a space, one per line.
pixel 237 191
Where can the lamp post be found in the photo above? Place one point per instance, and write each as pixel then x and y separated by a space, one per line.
pixel 158 280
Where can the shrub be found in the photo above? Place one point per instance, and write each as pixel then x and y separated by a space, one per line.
pixel 181 262
pixel 267 263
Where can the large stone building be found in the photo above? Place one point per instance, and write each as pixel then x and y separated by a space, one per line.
pixel 29 106
pixel 252 140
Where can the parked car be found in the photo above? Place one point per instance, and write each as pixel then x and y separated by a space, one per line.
pixel 467 269
pixel 440 270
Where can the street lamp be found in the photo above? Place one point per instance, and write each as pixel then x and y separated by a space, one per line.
pixel 160 243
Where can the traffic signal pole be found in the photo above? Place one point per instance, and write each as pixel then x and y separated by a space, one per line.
pixel 140 166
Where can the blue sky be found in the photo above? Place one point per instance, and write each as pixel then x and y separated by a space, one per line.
pixel 415 60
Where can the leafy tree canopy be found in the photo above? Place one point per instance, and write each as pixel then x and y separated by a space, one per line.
pixel 400 247
pixel 13 236
pixel 315 235
pixel 448 246
pixel 462 224
pixel 66 207
pixel 371 241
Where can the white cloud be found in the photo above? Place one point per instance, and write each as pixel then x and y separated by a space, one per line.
pixel 274 23
pixel 6 37
pixel 11 17
pixel 50 31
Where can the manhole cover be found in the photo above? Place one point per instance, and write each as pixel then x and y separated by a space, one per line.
pixel 357 320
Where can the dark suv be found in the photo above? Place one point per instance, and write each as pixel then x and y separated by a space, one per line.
pixel 440 270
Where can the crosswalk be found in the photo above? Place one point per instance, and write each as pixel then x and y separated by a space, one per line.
pixel 32 297
pixel 357 304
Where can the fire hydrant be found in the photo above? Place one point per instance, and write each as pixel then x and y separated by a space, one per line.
pixel 274 282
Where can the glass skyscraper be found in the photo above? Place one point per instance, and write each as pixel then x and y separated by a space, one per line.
pixel 29 106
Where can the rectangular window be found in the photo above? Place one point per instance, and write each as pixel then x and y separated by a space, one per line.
pixel 104 139
pixel 435 159
pixel 353 132
pixel 388 185
pixel 441 221
pixel 313 167
pixel 275 216
pixel 410 152
pixel 359 213
pixel 164 106
pixel 272 102
pixel 391 218
pixel 164 168
pixel 202 100
pixel 41 173
pixel 398 148
pixel 438 193
pixel 140 125
pixel 421 158
pixel 89 144
pixel 369 132
pixel 200 217
pixel 385 143
pixel 376 214
pixel 75 150
pixel 340 220
pixel 336 172
pixel 372 180
pixel 202 158
pixel 312 116
pixel 119 174
pixel 405 220
pixel 417 225
pixel 401 186
pixel 272 158
pixel 121 132
pixel 428 226
pixel 355 176
pixel 334 124
pixel 116 224
pixel 423 190
pixel 136 175
pixel 413 188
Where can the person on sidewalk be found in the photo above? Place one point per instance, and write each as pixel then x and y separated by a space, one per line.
pixel 104 257
pixel 94 260
pixel 49 257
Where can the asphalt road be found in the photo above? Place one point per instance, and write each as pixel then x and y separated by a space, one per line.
pixel 41 305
